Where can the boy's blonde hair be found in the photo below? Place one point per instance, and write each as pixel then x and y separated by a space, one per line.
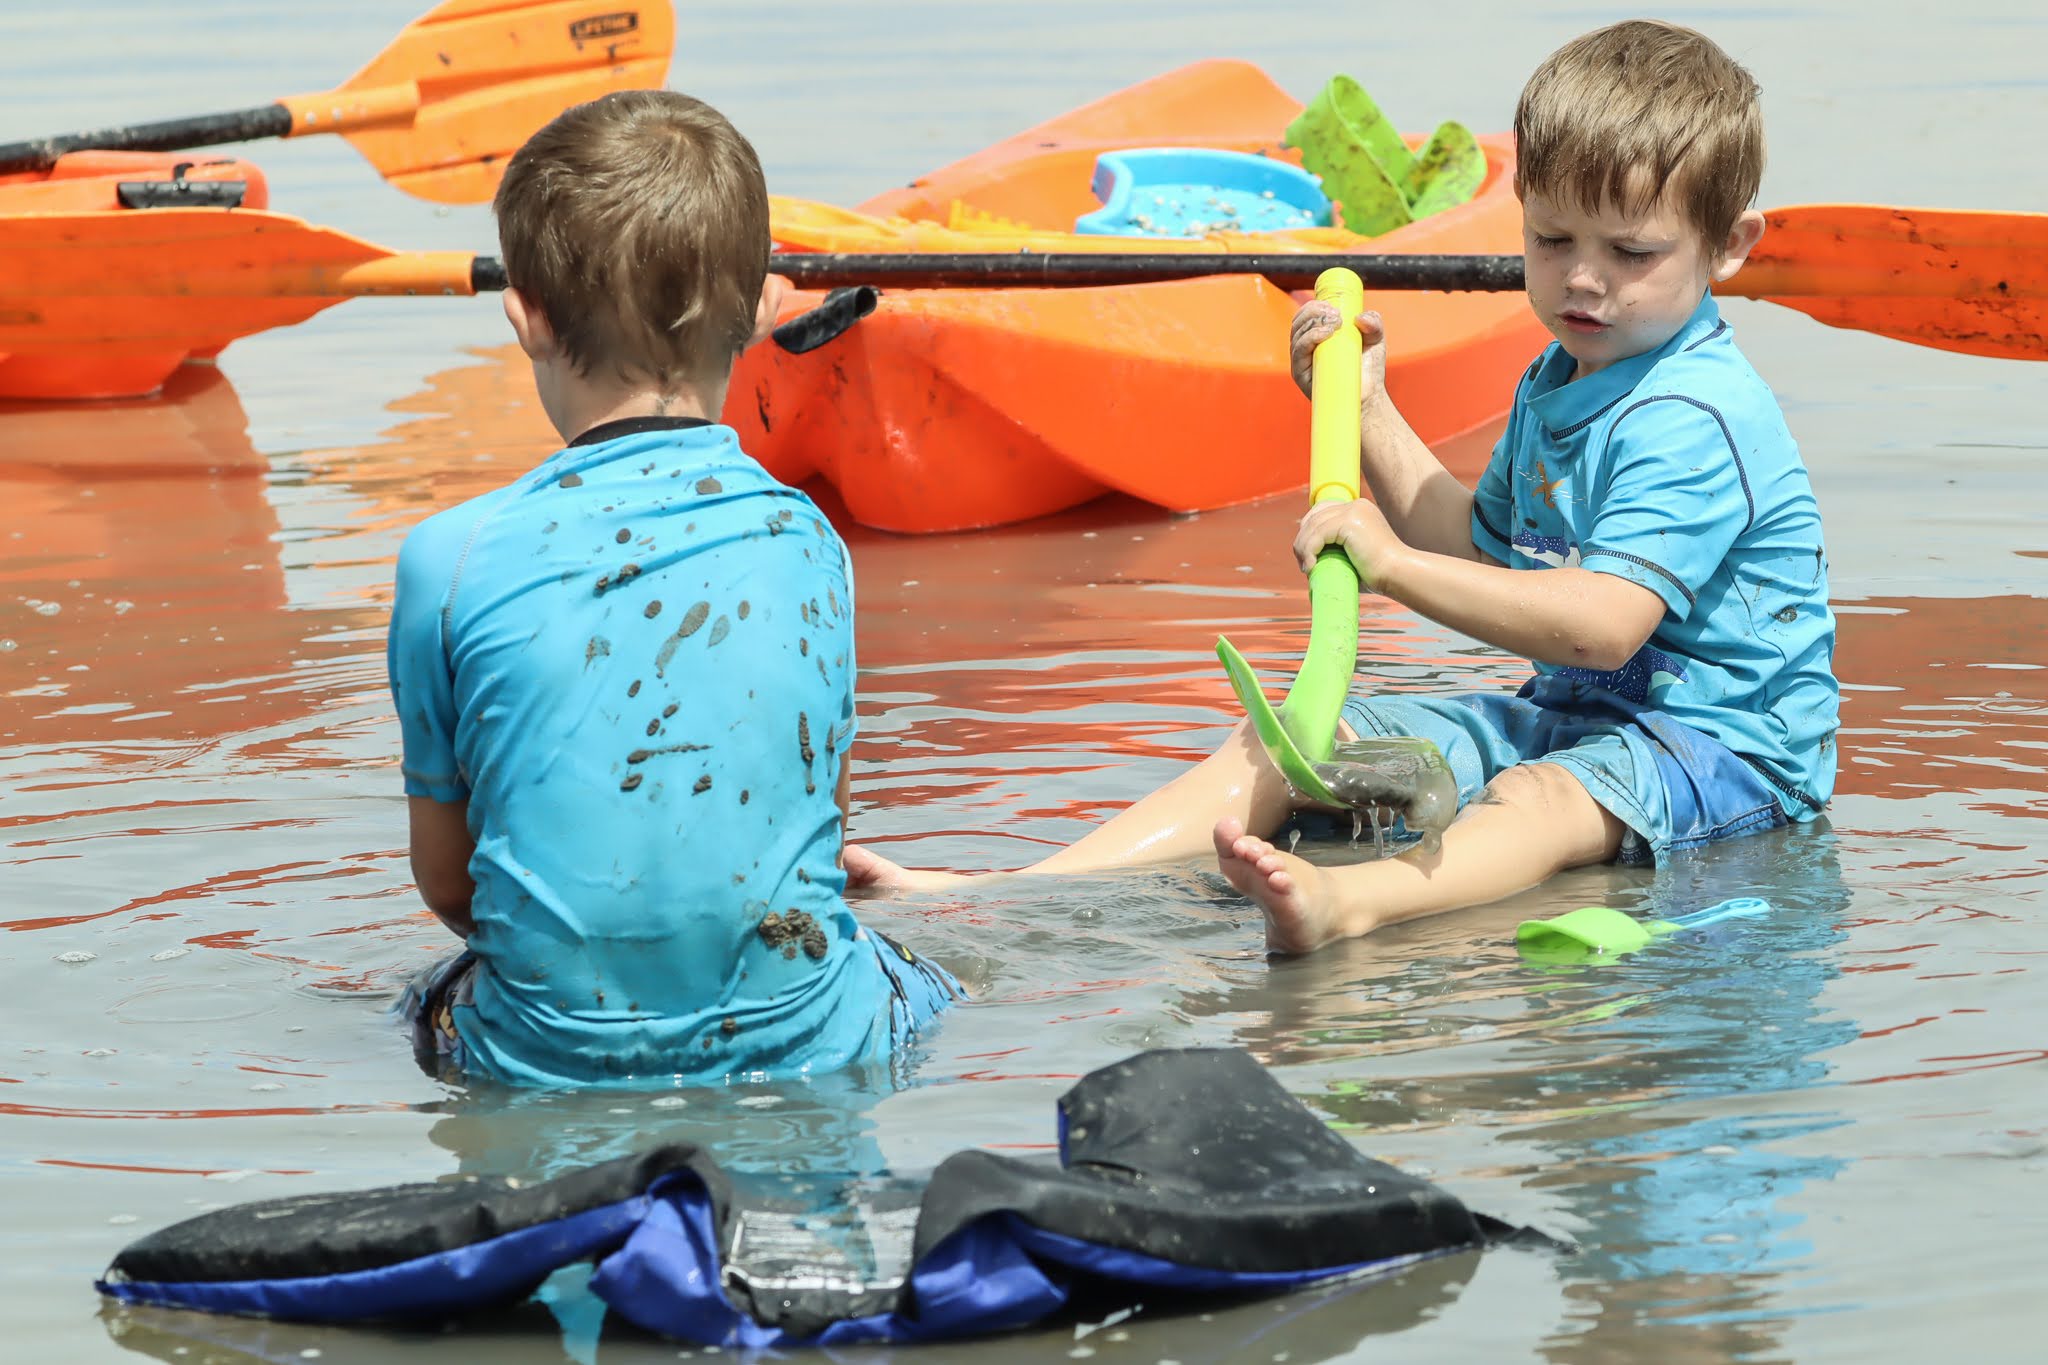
pixel 638 223
pixel 1628 113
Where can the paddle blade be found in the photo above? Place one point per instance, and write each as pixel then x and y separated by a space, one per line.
pixel 109 302
pixel 489 73
pixel 92 293
pixel 1955 280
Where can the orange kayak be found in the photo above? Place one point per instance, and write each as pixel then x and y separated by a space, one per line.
pixel 948 409
pixel 117 346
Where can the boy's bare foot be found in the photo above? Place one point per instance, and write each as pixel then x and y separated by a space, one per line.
pixel 867 870
pixel 1296 897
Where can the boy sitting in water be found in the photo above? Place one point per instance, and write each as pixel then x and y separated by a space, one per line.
pixel 1645 532
pixel 624 682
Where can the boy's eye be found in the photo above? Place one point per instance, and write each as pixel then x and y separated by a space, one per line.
pixel 1632 255
pixel 1542 240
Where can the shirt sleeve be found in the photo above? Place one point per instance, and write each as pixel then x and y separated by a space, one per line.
pixel 1675 501
pixel 1493 501
pixel 1493 507
pixel 416 660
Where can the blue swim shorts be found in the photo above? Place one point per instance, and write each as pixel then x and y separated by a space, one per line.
pixel 918 987
pixel 1672 787
pixel 919 990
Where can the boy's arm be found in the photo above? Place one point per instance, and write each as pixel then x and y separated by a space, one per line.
pixel 441 849
pixel 1424 502
pixel 1569 617
pixel 1674 502
pixel 1426 505
pixel 422 693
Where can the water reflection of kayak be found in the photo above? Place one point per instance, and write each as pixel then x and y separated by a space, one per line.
pixel 141 570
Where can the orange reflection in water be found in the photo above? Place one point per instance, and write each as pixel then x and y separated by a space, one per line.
pixel 1113 604
pixel 141 582
pixel 150 529
pixel 1944 694
pixel 139 576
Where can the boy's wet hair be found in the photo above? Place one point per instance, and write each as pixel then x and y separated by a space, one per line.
pixel 1628 113
pixel 638 223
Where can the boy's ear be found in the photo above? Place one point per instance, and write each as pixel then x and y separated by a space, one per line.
pixel 530 325
pixel 773 289
pixel 1742 239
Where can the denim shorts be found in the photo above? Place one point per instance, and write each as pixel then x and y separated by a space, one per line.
pixel 428 1009
pixel 1673 787
pixel 919 987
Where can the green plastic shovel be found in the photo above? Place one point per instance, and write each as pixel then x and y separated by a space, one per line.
pixel 1597 931
pixel 1303 732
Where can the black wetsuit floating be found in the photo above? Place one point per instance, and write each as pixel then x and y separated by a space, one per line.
pixel 1179 1172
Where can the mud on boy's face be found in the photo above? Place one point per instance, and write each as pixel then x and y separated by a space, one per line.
pixel 1614 284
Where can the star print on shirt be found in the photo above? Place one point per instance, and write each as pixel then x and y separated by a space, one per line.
pixel 1547 486
pixel 1551 551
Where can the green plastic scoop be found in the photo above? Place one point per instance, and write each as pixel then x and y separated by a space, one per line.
pixel 1303 732
pixel 1594 931
pixel 1366 166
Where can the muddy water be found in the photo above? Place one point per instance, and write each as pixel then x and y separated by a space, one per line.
pixel 1817 1138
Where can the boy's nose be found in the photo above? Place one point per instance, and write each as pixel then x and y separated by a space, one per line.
pixel 1581 278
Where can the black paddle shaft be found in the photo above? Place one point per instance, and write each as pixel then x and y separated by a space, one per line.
pixel 937 270
pixel 203 130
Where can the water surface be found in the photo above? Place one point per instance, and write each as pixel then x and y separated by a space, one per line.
pixel 1817 1138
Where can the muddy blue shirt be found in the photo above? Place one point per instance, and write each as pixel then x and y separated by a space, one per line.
pixel 636 665
pixel 1674 469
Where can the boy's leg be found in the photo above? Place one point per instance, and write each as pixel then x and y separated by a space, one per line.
pixel 1533 821
pixel 1175 823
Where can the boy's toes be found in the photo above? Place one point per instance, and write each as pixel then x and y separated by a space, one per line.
pixel 1285 889
pixel 1226 834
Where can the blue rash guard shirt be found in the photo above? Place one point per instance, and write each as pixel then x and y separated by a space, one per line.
pixel 635 663
pixel 1674 469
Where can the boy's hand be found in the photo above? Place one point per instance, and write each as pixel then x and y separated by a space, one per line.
pixel 1358 527
pixel 1315 322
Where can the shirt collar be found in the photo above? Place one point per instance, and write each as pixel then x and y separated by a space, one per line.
pixel 1564 404
pixel 634 426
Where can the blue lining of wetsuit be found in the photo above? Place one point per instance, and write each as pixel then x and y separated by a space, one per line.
pixel 444 1282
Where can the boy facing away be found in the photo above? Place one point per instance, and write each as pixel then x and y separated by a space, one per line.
pixel 624 682
pixel 1645 533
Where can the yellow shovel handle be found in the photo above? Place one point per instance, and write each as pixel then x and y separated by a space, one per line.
pixel 1333 422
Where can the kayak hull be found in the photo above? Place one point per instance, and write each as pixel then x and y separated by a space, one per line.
pixel 116 347
pixel 945 410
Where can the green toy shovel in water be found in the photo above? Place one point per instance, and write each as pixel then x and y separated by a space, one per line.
pixel 1303 732
pixel 1597 931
